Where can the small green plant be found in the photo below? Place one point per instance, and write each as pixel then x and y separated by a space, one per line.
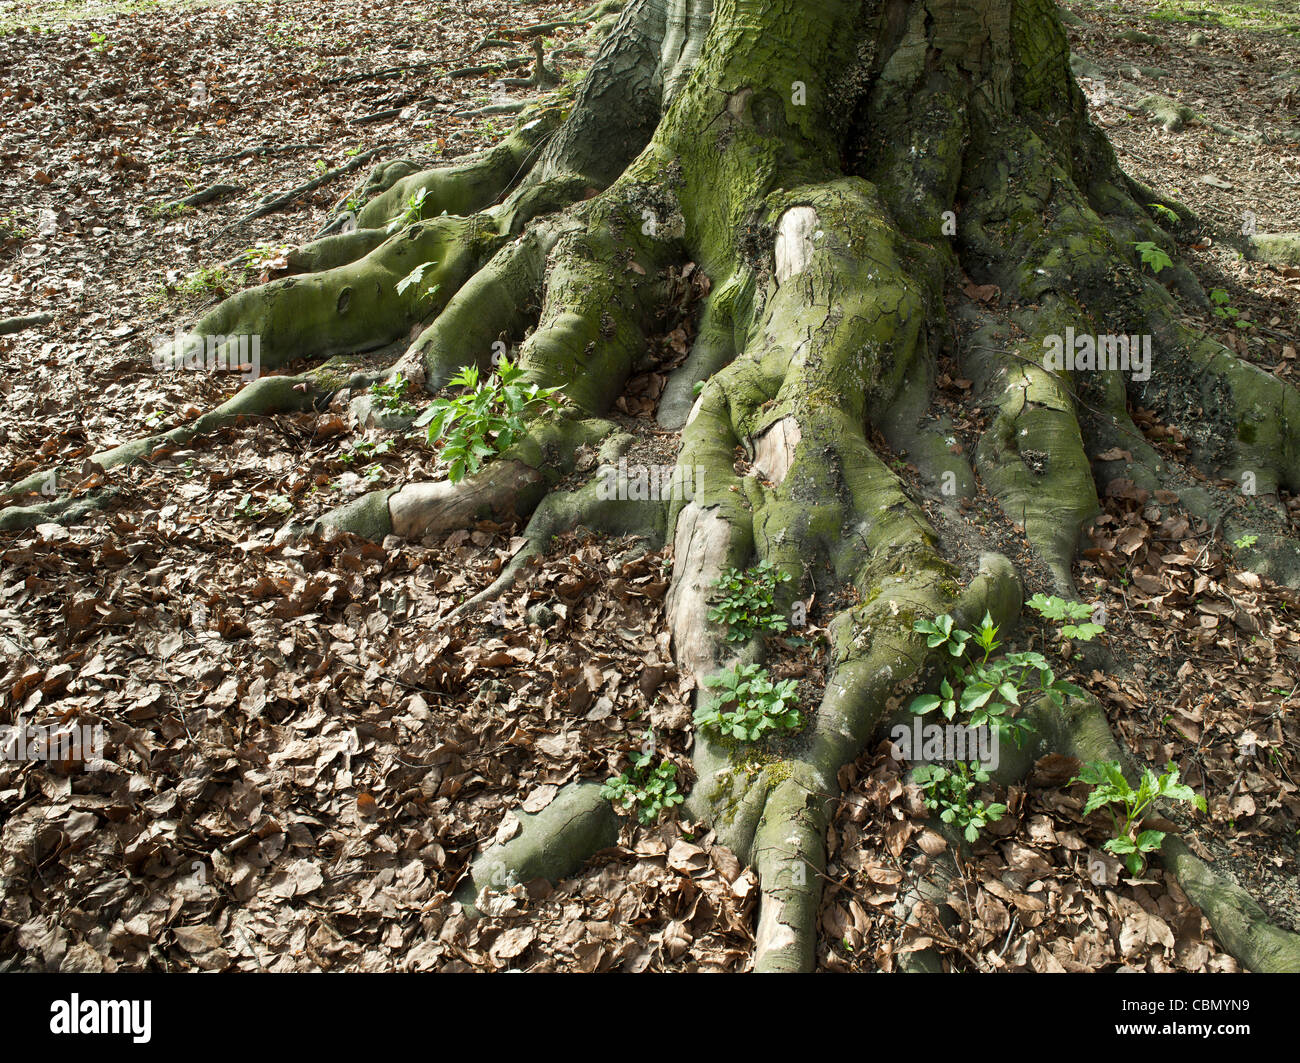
pixel 411 212
pixel 1164 213
pixel 208 280
pixel 100 42
pixel 1219 297
pixel 390 396
pixel 645 790
pixel 1245 542
pixel 414 278
pixel 948 791
pixel 1110 788
pixel 364 448
pixel 247 509
pixel 485 419
pixel 156 418
pixel 757 705
pixel 1152 255
pixel 745 601
pixel 1077 616
pixel 986 691
pixel 11 226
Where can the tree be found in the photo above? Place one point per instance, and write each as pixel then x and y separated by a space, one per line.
pixel 836 168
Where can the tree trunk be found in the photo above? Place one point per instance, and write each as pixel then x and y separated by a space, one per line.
pixel 838 169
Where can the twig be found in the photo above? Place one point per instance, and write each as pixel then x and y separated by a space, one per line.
pixel 1015 916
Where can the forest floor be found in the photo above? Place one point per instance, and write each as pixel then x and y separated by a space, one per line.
pixel 301 757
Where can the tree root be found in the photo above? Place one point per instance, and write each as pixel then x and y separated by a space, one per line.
pixel 602 506
pixel 264 397
pixel 551 844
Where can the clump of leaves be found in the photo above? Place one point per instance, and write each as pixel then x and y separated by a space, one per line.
pixel 1110 788
pixel 1054 608
pixel 1245 542
pixel 948 791
pixel 645 790
pixel 390 395
pixel 749 704
pixel 485 419
pixel 746 601
pixel 986 690
pixel 1152 255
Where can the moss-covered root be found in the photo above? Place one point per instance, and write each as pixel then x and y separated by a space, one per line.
pixel 1240 924
pixel 790 855
pixel 877 655
pixel 712 532
pixel 487 315
pixel 465 187
pixel 262 397
pixel 1263 412
pixel 359 306
pixel 336 250
pixel 604 281
pixel 1031 457
pixel 551 844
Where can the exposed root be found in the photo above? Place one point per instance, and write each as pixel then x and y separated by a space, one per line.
pixel 1032 457
pixel 551 844
pixel 604 505
pixel 263 397
pixel 506 489
pixel 462 188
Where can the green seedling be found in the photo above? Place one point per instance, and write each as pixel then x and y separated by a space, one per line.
pixel 1110 788
pixel 745 601
pixel 1152 256
pixel 644 790
pixel 1077 616
pixel 485 419
pixel 948 791
pixel 749 704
